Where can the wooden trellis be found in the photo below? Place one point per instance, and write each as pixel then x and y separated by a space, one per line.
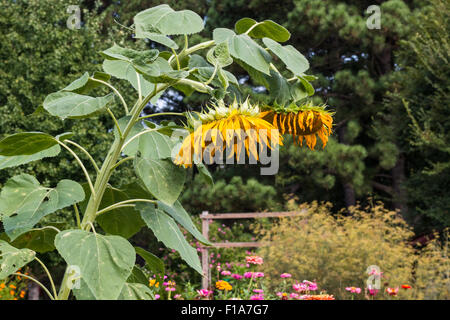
pixel 206 217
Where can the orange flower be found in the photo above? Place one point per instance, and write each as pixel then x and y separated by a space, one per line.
pixel 406 286
pixel 12 286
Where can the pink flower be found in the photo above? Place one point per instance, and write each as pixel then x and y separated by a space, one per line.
pixel 258 290
pixel 312 286
pixel 353 289
pixel 392 291
pixel 236 276
pixel 157 296
pixel 258 274
pixel 170 289
pixel 372 292
pixel 257 297
pixel 248 274
pixel 204 293
pixel 294 295
pixel 225 273
pixel 282 295
pixel 177 296
pixel 254 259
pixel 285 275
pixel 300 287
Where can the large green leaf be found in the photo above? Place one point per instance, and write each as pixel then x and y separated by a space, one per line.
pixel 136 291
pixel 12 161
pixel 182 217
pixel 23 202
pixel 266 28
pixel 26 143
pixel 40 240
pixel 291 57
pixel 84 84
pixel 153 263
pixel 164 20
pixel 125 221
pixel 244 48
pixel 105 262
pixel 167 231
pixel 205 174
pixel 162 178
pixel 65 104
pixel 12 259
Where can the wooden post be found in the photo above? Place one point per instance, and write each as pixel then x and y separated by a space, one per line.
pixel 205 253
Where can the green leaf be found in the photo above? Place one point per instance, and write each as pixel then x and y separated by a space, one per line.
pixel 162 178
pixel 266 28
pixel 278 87
pixel 222 34
pixel 23 202
pixel 26 143
pixel 167 231
pixel 153 263
pixel 119 53
pixel 125 222
pixel 159 38
pixel 160 71
pixel 12 259
pixel 125 70
pixel 137 276
pixel 205 174
pixel 220 55
pixel 84 84
pixel 290 56
pixel 105 262
pixel 244 48
pixel 71 105
pixel 136 291
pixel 39 240
pixel 164 20
pixel 154 145
pixel 308 87
pixel 182 217
pixel 298 91
pixel 12 161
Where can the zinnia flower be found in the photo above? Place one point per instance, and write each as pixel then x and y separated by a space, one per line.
pixel 223 285
pixel 312 286
pixel 285 275
pixel 406 286
pixel 236 276
pixel 225 273
pixel 219 127
pixel 302 122
pixel 282 295
pixel 257 297
pixel 204 293
pixel 392 291
pixel 353 289
pixel 258 290
pixel 254 259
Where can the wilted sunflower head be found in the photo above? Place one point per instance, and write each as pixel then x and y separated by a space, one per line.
pixel 302 122
pixel 233 127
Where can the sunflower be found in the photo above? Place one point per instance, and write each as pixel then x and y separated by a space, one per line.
pixel 223 124
pixel 302 122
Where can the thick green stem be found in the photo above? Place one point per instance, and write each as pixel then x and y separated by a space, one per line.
pixel 104 175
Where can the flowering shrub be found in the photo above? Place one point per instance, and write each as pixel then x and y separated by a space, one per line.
pixel 337 251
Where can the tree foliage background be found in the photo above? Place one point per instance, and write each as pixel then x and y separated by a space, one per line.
pixel 389 88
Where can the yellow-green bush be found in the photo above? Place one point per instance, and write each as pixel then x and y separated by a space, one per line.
pixel 336 250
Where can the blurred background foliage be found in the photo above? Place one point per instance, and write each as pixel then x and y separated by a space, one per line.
pixel 389 88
